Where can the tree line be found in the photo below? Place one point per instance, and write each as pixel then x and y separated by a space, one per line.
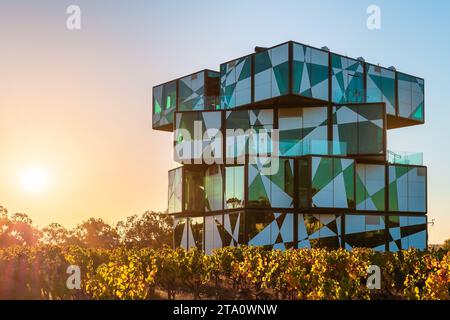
pixel 148 230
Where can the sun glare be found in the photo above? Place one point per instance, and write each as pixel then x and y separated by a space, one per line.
pixel 33 179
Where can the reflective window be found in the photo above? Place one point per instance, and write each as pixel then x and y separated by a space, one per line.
pixel 213 233
pixel 303 183
pixel 310 72
pixel 180 233
pixel 407 188
pixel 303 131
pixel 366 231
pixel 248 131
pixel 381 86
pixel 347 80
pixel 319 230
pixel 271 183
pixel 164 104
pixel 410 97
pixel 235 83
pixel 272 73
pixel 193 190
pixel 196 233
pixel 191 92
pixel 212 91
pixel 370 187
pixel 360 127
pixel 332 183
pixel 407 232
pixel 197 137
pixel 234 187
pixel 233 224
pixel 175 190
pixel 270 229
pixel 213 188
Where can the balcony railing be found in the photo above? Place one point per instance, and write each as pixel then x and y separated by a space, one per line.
pixel 324 147
pixel 402 157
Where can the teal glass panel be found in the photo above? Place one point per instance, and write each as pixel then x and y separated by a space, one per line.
pixel 381 86
pixel 347 81
pixel 191 92
pixel 235 83
pixel 310 72
pixel 272 73
pixel 271 183
pixel 410 97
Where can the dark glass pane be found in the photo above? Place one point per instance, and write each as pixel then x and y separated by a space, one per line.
pixel 193 190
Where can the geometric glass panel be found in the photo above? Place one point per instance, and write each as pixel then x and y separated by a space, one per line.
pixel 272 73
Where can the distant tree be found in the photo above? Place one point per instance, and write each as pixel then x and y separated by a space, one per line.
pixel 17 229
pixel 56 234
pixel 96 233
pixel 151 229
pixel 446 245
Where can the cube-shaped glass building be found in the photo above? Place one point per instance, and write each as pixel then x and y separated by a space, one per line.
pixel 286 148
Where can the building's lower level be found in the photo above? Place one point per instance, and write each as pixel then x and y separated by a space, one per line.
pixel 282 230
pixel 305 202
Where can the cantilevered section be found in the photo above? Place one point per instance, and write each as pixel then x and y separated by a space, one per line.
pixel 197 91
pixel 306 164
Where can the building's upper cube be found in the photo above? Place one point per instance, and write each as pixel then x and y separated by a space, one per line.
pixel 198 91
pixel 293 75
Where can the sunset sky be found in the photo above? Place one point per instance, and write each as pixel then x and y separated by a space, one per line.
pixel 75 106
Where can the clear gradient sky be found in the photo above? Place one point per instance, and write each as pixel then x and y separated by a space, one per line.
pixel 77 104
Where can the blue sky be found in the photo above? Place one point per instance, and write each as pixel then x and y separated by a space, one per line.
pixel 93 87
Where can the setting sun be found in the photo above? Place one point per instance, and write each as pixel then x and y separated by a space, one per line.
pixel 33 179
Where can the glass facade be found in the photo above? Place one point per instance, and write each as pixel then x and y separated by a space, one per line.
pixel 248 132
pixel 164 104
pixel 365 231
pixel 328 181
pixel 411 97
pixel 347 80
pixel 196 231
pixel 270 229
pixel 272 187
pixel 303 131
pixel 213 185
pixel 193 193
pixel 407 188
pixel 180 233
pixel 319 230
pixel 234 187
pixel 198 137
pixel 213 233
pixel 332 182
pixel 381 86
pixel 272 73
pixel 235 83
pixel 361 127
pixel 310 72
pixel 407 232
pixel 370 187
pixel 191 92
pixel 175 190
